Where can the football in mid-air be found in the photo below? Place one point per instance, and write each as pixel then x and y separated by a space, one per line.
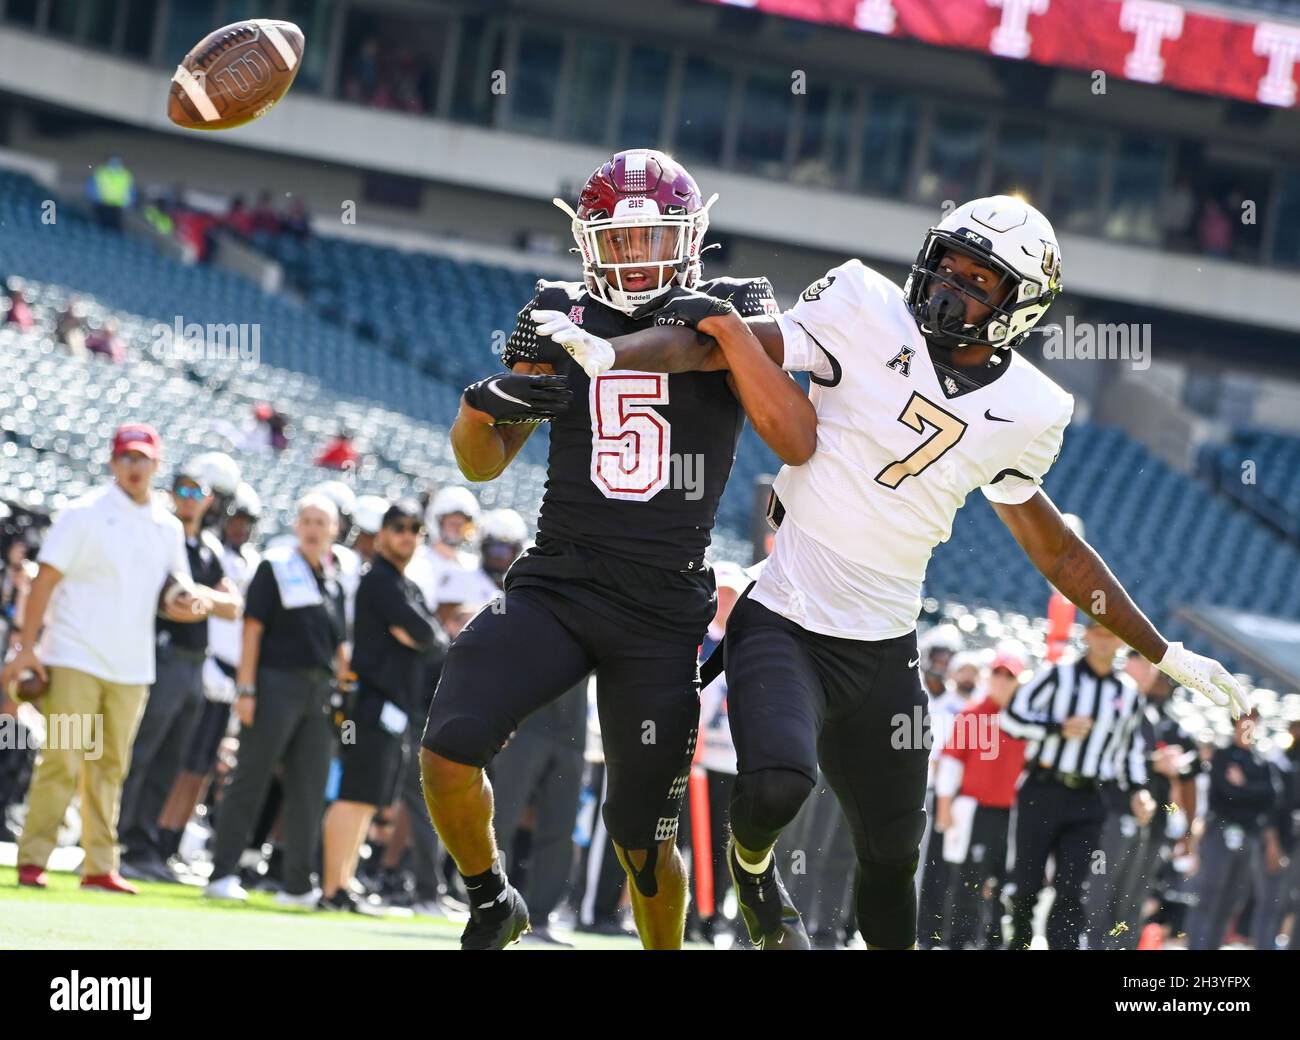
pixel 235 74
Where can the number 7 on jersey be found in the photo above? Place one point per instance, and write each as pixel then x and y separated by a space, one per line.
pixel 919 413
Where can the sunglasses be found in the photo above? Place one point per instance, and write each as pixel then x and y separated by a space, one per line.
pixel 407 528
pixel 196 494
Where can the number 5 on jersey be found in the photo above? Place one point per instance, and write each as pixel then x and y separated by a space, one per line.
pixel 919 413
pixel 630 441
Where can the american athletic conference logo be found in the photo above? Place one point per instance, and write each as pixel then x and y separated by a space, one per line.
pixel 575 315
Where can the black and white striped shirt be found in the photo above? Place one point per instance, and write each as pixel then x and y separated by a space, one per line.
pixel 1113 750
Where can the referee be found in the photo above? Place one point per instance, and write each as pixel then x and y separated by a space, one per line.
pixel 392 631
pixel 1082 720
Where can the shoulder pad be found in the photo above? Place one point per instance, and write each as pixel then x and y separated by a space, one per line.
pixel 750 296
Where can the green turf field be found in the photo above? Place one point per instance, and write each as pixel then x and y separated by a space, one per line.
pixel 178 917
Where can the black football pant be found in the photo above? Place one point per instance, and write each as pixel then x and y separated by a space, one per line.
pixel 1064 823
pixel 526 649
pixel 976 920
pixel 796 699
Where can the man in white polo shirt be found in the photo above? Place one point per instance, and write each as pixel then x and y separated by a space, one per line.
pixel 104 563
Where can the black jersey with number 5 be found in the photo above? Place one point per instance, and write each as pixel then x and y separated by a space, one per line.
pixel 639 461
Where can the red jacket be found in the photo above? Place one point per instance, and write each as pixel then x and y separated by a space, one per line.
pixel 992 759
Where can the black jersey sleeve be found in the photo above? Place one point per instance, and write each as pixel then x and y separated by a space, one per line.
pixel 750 296
pixel 524 344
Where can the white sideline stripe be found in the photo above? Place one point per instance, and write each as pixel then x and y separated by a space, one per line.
pixel 279 43
pixel 197 95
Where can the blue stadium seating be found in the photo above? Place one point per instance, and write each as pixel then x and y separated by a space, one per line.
pixel 380 335
pixel 1261 470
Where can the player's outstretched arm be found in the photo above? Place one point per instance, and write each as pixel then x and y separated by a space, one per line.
pixel 669 347
pixel 1078 573
pixel 498 413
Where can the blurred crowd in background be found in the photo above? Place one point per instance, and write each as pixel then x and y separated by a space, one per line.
pixel 1216 841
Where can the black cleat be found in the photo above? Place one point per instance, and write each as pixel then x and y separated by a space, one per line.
pixel 497 926
pixel 768 912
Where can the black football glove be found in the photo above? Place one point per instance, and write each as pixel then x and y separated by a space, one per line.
pixel 688 308
pixel 512 399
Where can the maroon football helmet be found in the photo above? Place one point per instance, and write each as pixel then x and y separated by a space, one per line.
pixel 640 218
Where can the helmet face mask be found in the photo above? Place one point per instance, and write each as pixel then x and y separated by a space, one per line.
pixel 1011 239
pixel 618 252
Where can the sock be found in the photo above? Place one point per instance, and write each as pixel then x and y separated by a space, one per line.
pixel 169 843
pixel 485 891
pixel 759 869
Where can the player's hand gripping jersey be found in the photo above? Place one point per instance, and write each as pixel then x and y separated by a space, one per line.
pixel 639 461
pixel 901 442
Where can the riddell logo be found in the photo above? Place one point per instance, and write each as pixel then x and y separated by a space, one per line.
pixel 73 993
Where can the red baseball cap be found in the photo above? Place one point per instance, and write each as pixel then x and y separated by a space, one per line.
pixel 139 437
pixel 1008 660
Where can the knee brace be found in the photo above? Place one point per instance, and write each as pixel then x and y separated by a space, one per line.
pixel 764 802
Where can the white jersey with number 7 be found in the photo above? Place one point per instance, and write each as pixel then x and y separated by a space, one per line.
pixel 900 444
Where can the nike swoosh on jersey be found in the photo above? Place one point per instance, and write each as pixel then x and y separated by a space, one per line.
pixel 996 418
pixel 913 662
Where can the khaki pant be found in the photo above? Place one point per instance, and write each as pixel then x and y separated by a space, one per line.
pixel 90 725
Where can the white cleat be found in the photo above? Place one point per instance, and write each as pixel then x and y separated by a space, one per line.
pixel 227 887
pixel 307 901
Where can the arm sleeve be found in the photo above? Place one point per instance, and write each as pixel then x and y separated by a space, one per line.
pixel 947 782
pixel 180 562
pixel 1028 716
pixel 64 540
pixel 1020 482
pixel 1135 751
pixel 263 598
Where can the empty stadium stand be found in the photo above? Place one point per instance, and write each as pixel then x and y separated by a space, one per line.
pixel 1261 470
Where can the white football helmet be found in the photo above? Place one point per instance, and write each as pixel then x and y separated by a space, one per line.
pixel 344 499
pixel 369 513
pixel 215 470
pixel 1007 235
pixel 504 525
pixel 452 499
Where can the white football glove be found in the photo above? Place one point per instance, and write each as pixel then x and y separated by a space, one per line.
pixel 594 354
pixel 1205 675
